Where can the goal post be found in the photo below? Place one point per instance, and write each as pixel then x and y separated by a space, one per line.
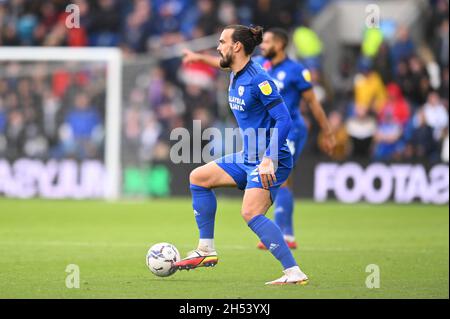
pixel 113 59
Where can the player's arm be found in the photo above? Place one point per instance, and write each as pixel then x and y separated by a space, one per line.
pixel 280 132
pixel 319 114
pixel 211 60
pixel 268 94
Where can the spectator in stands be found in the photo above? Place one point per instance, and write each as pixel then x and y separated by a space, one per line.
pixel 15 134
pixel 370 93
pixel 373 38
pixel 131 134
pixel 51 114
pixel 436 115
pixel 403 47
pixel 227 13
pixel 171 105
pixel 382 62
pixel 396 105
pixel 2 117
pixel 403 78
pixel 3 121
pixel 444 89
pixel 157 81
pixel 437 13
pixel 441 43
pixel 387 139
pixel 139 26
pixel 273 13
pixel 169 29
pixel 204 19
pixel 361 127
pixel 445 148
pixel 105 25
pixel 25 28
pixel 82 131
pixel 422 143
pixel 420 82
pixel 151 130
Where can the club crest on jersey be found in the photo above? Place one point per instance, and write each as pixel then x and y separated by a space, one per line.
pixel 281 75
pixel 265 88
pixel 241 90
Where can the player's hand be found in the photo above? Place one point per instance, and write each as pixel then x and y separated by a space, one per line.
pixel 189 56
pixel 329 143
pixel 267 173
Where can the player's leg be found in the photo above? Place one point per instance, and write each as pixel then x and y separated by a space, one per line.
pixel 284 203
pixel 222 173
pixel 255 204
pixel 284 212
pixel 202 181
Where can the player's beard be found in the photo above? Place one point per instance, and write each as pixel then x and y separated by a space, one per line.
pixel 226 61
pixel 270 53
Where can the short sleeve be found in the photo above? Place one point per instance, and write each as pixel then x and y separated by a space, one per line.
pixel 302 78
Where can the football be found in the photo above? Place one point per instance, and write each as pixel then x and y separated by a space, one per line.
pixel 160 259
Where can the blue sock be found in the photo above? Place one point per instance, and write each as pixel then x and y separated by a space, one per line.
pixel 271 236
pixel 204 203
pixel 284 208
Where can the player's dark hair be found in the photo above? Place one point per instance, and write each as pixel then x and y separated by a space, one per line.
pixel 281 35
pixel 250 37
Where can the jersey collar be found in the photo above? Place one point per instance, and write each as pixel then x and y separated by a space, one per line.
pixel 243 69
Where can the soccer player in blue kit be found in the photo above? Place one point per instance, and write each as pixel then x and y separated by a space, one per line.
pixel 294 83
pixel 259 169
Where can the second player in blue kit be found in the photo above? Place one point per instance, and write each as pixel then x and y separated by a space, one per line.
pixel 294 82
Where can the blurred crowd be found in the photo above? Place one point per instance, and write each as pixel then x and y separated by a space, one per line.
pixel 52 110
pixel 391 104
pixel 138 25
pixel 395 103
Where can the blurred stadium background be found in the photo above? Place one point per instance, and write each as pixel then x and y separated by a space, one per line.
pixel 87 113
pixel 384 89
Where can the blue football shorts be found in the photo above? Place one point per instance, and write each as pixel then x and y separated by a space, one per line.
pixel 246 174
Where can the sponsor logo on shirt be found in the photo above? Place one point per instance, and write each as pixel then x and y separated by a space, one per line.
pixel 236 103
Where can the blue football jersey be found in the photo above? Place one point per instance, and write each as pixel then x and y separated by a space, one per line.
pixel 291 78
pixel 252 93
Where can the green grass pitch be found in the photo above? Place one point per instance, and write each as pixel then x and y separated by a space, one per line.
pixel 108 241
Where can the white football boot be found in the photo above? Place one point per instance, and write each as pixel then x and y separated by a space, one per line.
pixel 292 276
